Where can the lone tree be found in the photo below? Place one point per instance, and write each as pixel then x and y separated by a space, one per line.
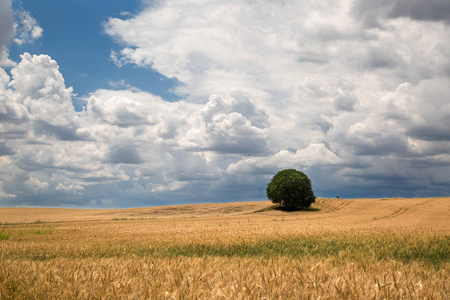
pixel 291 188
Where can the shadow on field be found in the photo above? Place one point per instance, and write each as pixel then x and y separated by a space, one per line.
pixel 291 209
pixel 287 209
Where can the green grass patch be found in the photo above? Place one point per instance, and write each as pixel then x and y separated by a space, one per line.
pixel 431 250
pixel 406 248
pixel 4 235
pixel 42 231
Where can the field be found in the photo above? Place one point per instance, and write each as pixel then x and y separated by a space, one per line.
pixel 391 248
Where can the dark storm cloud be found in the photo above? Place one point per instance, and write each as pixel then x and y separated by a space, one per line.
pixel 377 58
pixel 381 146
pixel 428 133
pixel 124 155
pixel 13 133
pixel 6 30
pixel 6 23
pixel 371 12
pixel 430 10
pixel 198 176
pixel 61 133
pixel 345 102
pixel 5 150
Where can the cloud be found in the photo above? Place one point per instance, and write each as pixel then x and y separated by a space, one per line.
pixel 27 28
pixel 10 110
pixel 6 32
pixel 5 150
pixel 233 125
pixel 353 93
pixel 119 110
pixel 124 139
pixel 64 133
pixel 124 155
pixel 435 10
pixel 3 194
pixel 429 133
pixel 121 84
pixel 373 13
pixel 17 26
pixel 34 183
pixel 40 87
pixel 313 155
pixel 210 46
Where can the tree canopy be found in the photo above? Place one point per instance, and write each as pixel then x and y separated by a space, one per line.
pixel 291 188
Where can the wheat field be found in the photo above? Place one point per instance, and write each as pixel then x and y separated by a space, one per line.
pixel 390 248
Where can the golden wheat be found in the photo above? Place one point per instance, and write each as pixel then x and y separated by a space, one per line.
pixel 205 254
pixel 218 277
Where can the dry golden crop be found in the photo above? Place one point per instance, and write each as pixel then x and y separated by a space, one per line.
pixel 340 249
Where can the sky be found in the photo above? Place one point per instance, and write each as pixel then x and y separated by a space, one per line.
pixel 113 104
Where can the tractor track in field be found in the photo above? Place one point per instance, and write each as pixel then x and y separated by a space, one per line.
pixel 425 202
pixel 395 214
pixel 333 208
pixel 402 210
